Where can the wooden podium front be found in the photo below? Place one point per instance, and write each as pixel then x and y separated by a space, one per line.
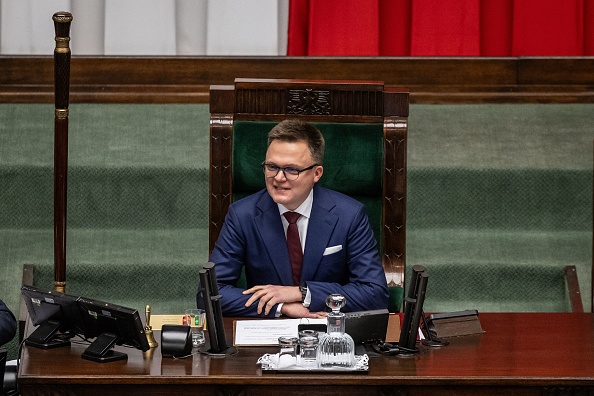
pixel 518 354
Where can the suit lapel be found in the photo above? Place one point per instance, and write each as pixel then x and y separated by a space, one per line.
pixel 320 228
pixel 271 231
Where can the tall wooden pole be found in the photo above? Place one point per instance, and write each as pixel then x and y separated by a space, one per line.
pixel 62 21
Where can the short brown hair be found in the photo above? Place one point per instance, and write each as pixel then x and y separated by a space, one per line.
pixel 294 131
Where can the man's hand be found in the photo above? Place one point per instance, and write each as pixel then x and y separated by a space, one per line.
pixel 297 310
pixel 269 295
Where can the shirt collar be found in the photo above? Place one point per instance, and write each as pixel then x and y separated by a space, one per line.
pixel 304 209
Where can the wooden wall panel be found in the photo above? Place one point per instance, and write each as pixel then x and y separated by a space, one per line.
pixel 29 79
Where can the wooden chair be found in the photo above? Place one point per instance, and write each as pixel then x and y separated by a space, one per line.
pixel 365 127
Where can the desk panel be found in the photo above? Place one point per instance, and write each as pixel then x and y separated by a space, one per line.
pixel 519 353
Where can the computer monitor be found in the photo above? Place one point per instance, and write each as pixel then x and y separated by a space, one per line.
pixel 413 310
pixel 111 325
pixel 2 363
pixel 55 314
pixel 366 326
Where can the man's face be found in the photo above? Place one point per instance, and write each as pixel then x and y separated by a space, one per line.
pixel 291 193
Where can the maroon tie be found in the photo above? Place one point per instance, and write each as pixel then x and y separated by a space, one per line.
pixel 294 244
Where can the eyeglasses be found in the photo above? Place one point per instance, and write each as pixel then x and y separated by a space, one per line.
pixel 271 170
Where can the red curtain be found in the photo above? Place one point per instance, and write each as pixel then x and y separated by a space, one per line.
pixel 441 28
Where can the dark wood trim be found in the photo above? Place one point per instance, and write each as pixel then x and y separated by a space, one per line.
pixel 29 79
pixel 393 241
pixel 27 279
pixel 573 288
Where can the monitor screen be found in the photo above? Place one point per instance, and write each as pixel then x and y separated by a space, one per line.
pixel 111 325
pixel 366 326
pixel 55 314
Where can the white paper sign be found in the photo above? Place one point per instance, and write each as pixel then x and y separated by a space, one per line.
pixel 267 331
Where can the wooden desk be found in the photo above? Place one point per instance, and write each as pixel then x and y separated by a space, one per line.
pixel 519 354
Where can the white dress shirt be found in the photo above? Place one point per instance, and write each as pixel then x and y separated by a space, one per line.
pixel 302 222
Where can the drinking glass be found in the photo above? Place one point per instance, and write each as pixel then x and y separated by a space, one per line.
pixel 195 319
pixel 288 351
pixel 308 351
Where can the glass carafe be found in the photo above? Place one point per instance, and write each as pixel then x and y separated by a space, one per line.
pixel 337 348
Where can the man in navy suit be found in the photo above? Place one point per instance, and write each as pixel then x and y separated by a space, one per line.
pixel 338 248
pixel 7 325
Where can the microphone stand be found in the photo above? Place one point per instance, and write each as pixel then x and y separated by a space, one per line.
pixel 214 313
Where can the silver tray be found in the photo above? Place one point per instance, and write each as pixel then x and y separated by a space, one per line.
pixel 269 363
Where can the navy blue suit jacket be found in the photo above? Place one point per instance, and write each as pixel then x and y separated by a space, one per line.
pixel 253 236
pixel 7 324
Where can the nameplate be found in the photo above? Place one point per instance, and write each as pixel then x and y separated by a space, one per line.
pixel 454 324
pixel 157 321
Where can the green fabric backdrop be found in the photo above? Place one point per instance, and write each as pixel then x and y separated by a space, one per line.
pixel 499 200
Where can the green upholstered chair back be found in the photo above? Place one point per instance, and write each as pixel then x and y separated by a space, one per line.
pixel 365 128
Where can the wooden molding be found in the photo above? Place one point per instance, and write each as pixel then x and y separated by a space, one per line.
pixel 29 79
